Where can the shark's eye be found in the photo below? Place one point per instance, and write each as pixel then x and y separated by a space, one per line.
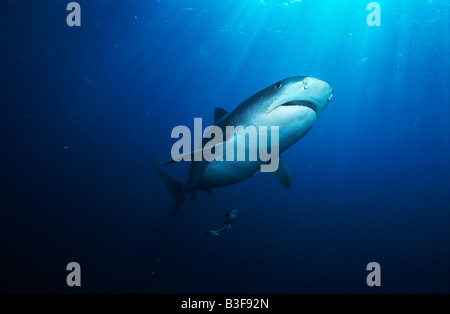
pixel 278 85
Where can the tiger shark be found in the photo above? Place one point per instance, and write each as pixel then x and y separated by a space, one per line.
pixel 292 105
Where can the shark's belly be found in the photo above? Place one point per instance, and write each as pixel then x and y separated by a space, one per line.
pixel 227 173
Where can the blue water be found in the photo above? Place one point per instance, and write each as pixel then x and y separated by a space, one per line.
pixel 82 108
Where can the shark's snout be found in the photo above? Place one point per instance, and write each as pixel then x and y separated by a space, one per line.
pixel 316 91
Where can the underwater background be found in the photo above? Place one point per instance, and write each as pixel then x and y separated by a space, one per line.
pixel 83 107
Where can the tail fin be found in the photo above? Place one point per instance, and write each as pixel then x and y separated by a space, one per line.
pixel 210 232
pixel 174 186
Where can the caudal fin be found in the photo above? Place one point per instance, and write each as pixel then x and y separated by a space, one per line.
pixel 210 232
pixel 174 186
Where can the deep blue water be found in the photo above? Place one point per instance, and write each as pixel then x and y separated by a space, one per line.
pixel 82 108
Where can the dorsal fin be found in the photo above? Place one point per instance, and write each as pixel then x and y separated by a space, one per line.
pixel 219 113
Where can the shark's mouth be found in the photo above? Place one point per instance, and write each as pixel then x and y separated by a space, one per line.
pixel 301 103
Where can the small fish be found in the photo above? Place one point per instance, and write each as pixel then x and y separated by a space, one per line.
pixel 363 59
pixel 229 218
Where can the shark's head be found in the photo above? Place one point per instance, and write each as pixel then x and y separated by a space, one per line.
pixel 293 104
pixel 296 95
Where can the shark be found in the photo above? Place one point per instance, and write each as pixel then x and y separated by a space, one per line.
pixel 292 105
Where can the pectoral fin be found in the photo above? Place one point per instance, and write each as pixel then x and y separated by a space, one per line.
pixel 283 174
pixel 207 190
